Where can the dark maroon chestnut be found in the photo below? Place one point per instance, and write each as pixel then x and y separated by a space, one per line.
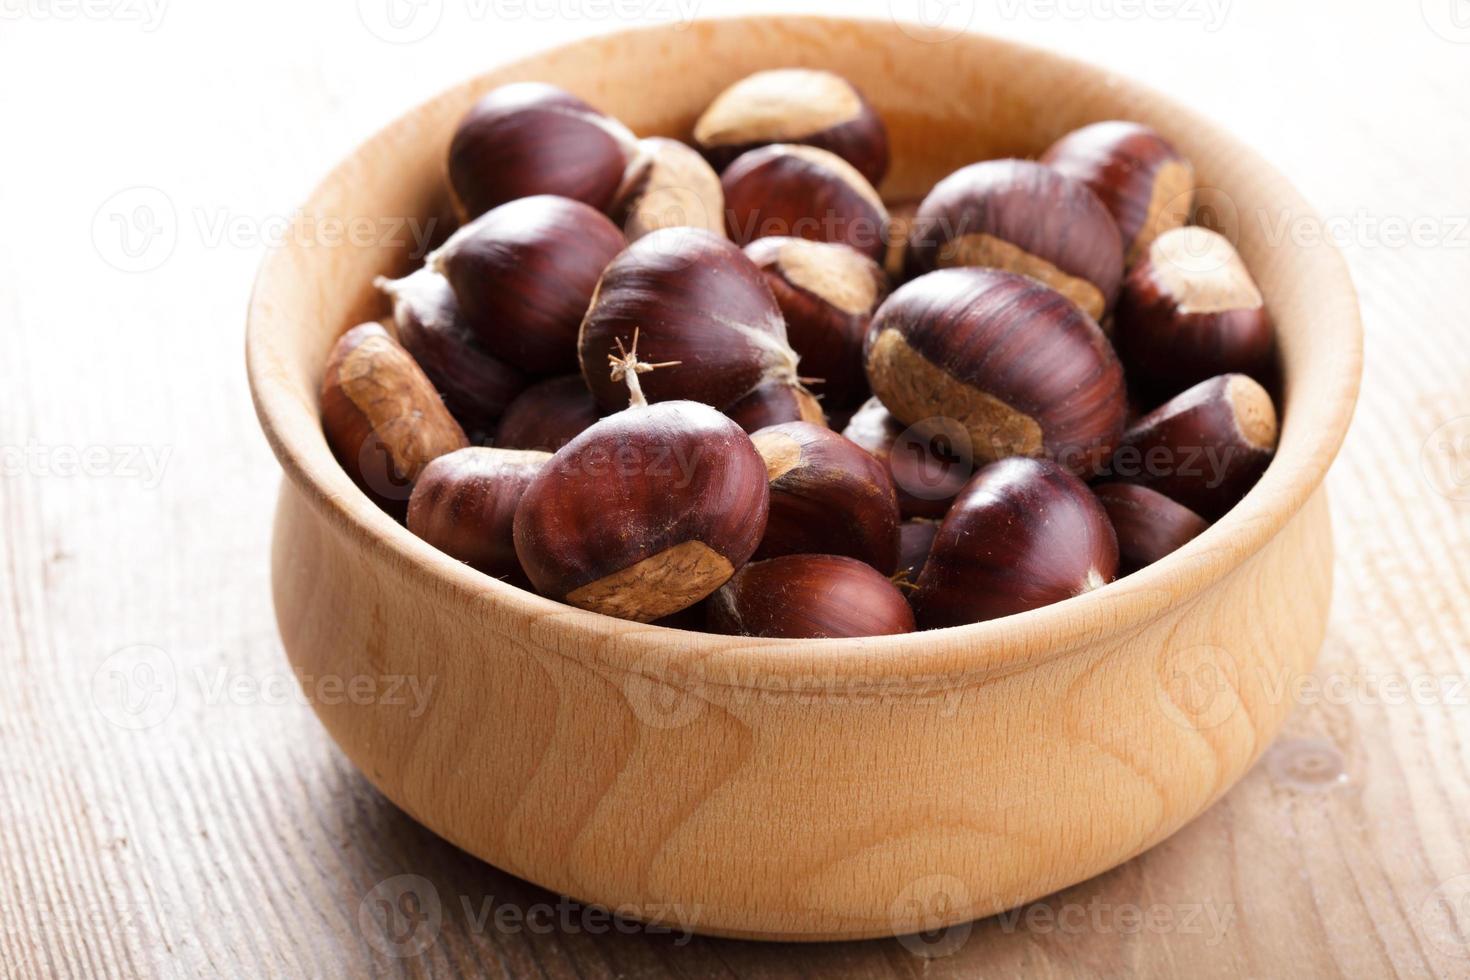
pixel 524 274
pixel 828 497
pixel 1022 217
pixel 1020 368
pixel 1025 533
pixel 548 415
pixel 927 468
pixel 475 386
pixel 464 504
pixel 528 138
pixel 915 540
pixel 668 185
pixel 1205 447
pixel 809 597
pixel 646 512
pixel 788 190
pixel 775 402
pixel 795 105
pixel 697 302
pixel 1146 184
pixel 1149 525
pixel 1189 311
pixel 827 293
pixel 382 416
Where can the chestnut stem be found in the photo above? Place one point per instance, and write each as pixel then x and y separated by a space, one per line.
pixel 626 366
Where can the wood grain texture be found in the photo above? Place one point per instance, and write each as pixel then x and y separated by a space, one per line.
pixel 231 836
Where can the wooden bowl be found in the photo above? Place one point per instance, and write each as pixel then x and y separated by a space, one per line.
pixel 804 789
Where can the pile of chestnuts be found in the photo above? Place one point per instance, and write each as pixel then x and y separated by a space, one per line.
pixel 719 385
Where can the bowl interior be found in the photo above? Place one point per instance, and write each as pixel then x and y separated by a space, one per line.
pixel 947 102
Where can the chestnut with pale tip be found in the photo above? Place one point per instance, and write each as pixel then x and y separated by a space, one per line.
pixel 1190 311
pixel 548 415
pixel 524 274
pixel 464 504
pixel 827 293
pixel 1144 182
pixel 803 192
pixel 1205 447
pixel 775 402
pixel 646 512
pixel 1014 367
pixel 1023 534
pixel 668 185
pixel 809 597
pixel 1022 217
pixel 382 416
pixel 475 386
pixel 529 138
pixel 926 469
pixel 1149 525
pixel 795 105
pixel 696 300
pixel 828 497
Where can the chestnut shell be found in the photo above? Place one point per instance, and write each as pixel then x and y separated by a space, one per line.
pixel 464 504
pixel 1149 525
pixel 809 597
pixel 548 415
pixel 803 192
pixel 927 471
pixel 774 402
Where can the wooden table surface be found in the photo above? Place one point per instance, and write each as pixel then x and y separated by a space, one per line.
pixel 170 806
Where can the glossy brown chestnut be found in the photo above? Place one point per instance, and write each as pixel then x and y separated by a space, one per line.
pixel 382 416
pixel 668 185
pixel 775 402
pixel 529 138
pixel 548 415
pixel 1013 366
pixel 915 540
pixel 795 105
pixel 1149 525
pixel 475 386
pixel 1025 533
pixel 696 300
pixel 926 467
pixel 464 504
pixel 787 190
pixel 1190 311
pixel 1146 184
pixel 1022 217
pixel 827 293
pixel 524 274
pixel 646 512
pixel 828 497
pixel 809 597
pixel 1205 447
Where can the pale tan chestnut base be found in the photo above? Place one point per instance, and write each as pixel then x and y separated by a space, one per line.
pixel 782 815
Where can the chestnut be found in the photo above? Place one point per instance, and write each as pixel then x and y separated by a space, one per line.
pixel 547 415
pixel 1205 447
pixel 775 402
pixel 803 192
pixel 668 185
pixel 926 467
pixel 529 138
pixel 794 105
pixel 382 416
pixel 464 504
pixel 1189 310
pixel 900 223
pixel 698 302
pixel 475 386
pixel 646 512
pixel 524 274
pixel 1023 534
pixel 915 540
pixel 1018 367
pixel 1146 184
pixel 1149 525
pixel 827 293
pixel 809 597
pixel 1023 217
pixel 828 497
